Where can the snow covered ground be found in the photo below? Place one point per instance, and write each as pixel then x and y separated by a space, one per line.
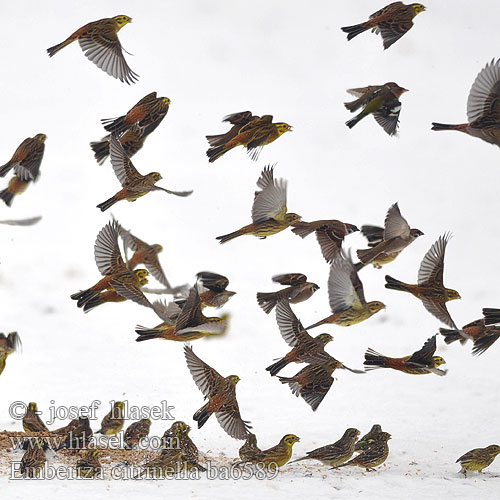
pixel 289 59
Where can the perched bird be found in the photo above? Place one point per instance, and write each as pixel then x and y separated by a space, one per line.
pixel 278 455
pixel 483 332
pixel 26 163
pixel 392 22
pixel 183 325
pixel 237 120
pixel 305 349
pixel 374 456
pixel 420 362
pixel 134 184
pixel 76 435
pixel 254 135
pixel 478 458
pixel 269 210
pixel 483 114
pixel 22 222
pixel 131 140
pixel 329 233
pixel 346 296
pixel 89 465
pixel 34 458
pixel 99 42
pixel 313 382
pixel 298 290
pixel 8 344
pixel 27 159
pixel 177 438
pixel 146 254
pixel 221 394
pixel 148 113
pixel 118 280
pixel 112 423
pixel 336 453
pixel 135 432
pixel 249 451
pixel 380 100
pixel 430 289
pixel 368 439
pixel 397 236
pixel 32 421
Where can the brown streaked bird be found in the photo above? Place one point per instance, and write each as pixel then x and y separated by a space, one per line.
pixel 8 345
pixel 76 435
pixel 396 237
pixel 380 100
pixel 249 451
pixel 182 325
pixel 34 458
pixel 392 22
pixel 269 210
pixel 374 456
pixel 147 113
pixel 336 453
pixel 420 362
pixel 483 107
pixel 117 277
pixel 177 438
pixel 27 159
pixel 99 42
pixel 89 466
pixel 329 233
pixel 135 432
pixel 478 458
pixel 32 421
pixel 313 382
pixel 299 290
pixel 305 349
pixel 369 438
pixel 112 423
pixel 146 254
pixel 134 184
pixel 430 289
pixel 131 140
pixel 237 120
pixel 254 135
pixel 278 455
pixel 483 332
pixel 346 296
pixel 221 394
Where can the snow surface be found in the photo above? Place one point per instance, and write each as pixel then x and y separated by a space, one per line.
pixel 289 59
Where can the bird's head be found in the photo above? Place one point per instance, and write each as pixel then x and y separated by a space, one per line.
pixel 493 449
pixel 324 338
pixel 157 248
pixel 383 436
pixel 290 439
pixel 281 128
pixel 290 218
pixel 234 379
pixel 121 21
pixel 32 408
pixel 395 89
pixel 40 137
pixel 350 228
pixel 141 274
pixel 375 306
pixel 155 176
pixel 165 100
pixel 452 294
pixel 415 233
pixel 417 8
pixel 352 433
pixel 438 361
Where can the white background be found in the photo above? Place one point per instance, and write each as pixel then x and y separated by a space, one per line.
pixel 289 59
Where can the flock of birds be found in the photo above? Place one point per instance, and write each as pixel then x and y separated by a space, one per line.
pixel 183 318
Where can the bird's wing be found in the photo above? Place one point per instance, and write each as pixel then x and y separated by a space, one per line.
pixel 344 286
pixel 105 51
pixel 387 116
pixel 315 391
pixel 290 279
pixel 212 281
pixel 291 328
pixel 190 314
pixel 438 309
pixel 395 224
pixel 130 291
pixel 131 241
pixel 484 96
pixel 241 118
pixel 270 202
pixel 122 165
pixel 392 31
pixel 30 167
pixel 167 312
pixel 107 251
pixel 205 377
pixel 153 265
pixel 330 243
pixel 230 420
pixel 424 355
pixel 432 266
